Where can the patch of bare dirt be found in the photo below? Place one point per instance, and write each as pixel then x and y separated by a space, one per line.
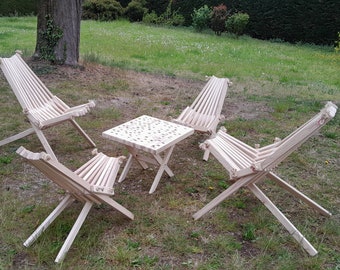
pixel 155 87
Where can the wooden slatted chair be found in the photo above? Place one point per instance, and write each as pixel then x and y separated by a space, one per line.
pixel 42 108
pixel 91 184
pixel 204 114
pixel 247 166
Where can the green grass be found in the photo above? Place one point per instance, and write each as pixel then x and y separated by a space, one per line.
pixel 276 87
pixel 313 70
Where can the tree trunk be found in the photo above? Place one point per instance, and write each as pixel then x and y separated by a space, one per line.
pixel 58 31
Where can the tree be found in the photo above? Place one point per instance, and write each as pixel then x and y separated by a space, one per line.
pixel 58 31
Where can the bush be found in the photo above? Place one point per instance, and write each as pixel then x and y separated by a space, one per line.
pixel 169 17
pixel 151 18
pixel 177 19
pixel 218 18
pixel 135 11
pixel 201 18
pixel 102 10
pixel 236 24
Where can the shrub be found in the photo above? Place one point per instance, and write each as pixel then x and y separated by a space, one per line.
pixel 135 11
pixel 237 23
pixel 169 17
pixel 201 18
pixel 218 18
pixel 151 18
pixel 102 10
pixel 177 19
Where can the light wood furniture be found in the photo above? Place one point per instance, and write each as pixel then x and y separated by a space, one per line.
pixel 40 106
pixel 247 166
pixel 150 135
pixel 204 114
pixel 91 184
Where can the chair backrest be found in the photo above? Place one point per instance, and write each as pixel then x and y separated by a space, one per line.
pixel 27 87
pixel 210 100
pixel 205 112
pixel 290 143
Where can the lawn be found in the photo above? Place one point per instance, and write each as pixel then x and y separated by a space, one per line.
pixel 133 69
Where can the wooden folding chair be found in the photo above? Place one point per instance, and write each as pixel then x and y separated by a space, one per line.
pixel 41 107
pixel 204 114
pixel 91 184
pixel 247 166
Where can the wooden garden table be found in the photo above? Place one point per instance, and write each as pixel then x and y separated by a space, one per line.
pixel 151 135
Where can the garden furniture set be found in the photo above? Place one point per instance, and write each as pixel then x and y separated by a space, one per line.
pixel 150 140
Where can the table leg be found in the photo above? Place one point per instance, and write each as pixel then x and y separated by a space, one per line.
pixel 163 162
pixel 135 155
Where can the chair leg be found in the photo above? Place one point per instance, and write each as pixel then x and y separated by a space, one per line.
pixel 293 231
pixel 55 213
pixel 206 155
pixel 299 194
pixel 74 231
pixel 17 136
pixel 126 169
pixel 44 142
pixel 115 205
pixel 224 195
pixel 82 132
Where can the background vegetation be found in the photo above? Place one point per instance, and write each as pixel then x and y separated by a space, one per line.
pixel 18 7
pixel 307 21
pixel 276 87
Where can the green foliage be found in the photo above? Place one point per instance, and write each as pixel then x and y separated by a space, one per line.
pixel 5 159
pixel 293 21
pixel 201 18
pixel 170 17
pixel 157 6
pixel 186 7
pixel 151 18
pixel 237 23
pixel 18 7
pixel 49 39
pixel 304 21
pixel 102 10
pixel 337 43
pixel 218 18
pixel 249 232
pixel 135 11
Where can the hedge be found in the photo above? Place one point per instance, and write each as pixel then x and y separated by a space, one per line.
pixel 18 7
